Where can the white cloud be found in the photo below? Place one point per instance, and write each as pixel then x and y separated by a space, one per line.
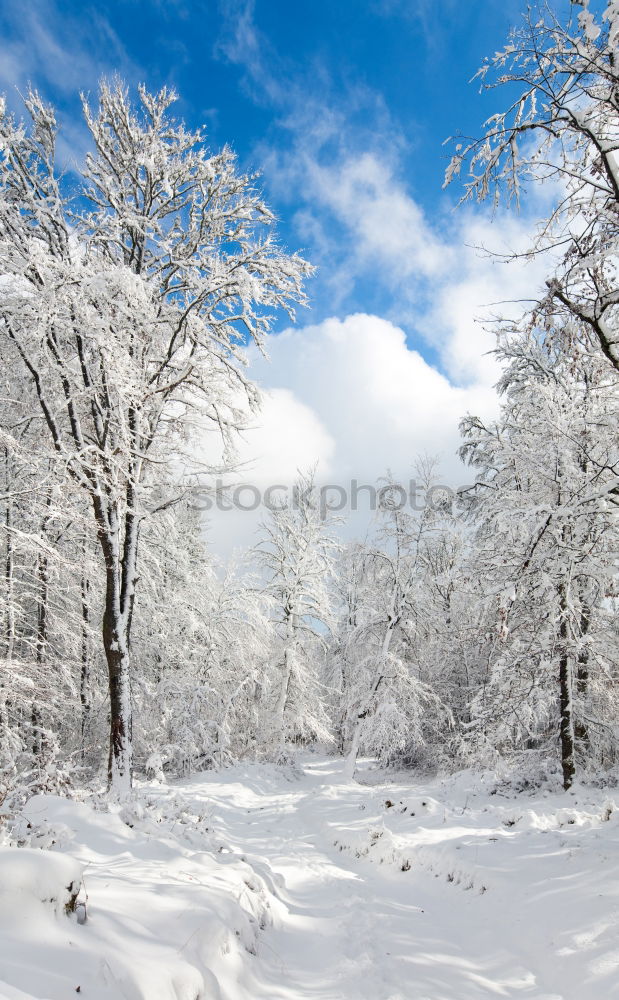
pixel 488 276
pixel 380 401
pixel 351 396
pixel 287 436
pixel 441 277
pixel 447 278
pixel 47 46
pixel 375 402
pixel 339 163
pixel 389 231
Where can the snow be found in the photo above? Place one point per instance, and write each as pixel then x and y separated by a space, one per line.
pixel 45 879
pixel 284 883
pixel 160 913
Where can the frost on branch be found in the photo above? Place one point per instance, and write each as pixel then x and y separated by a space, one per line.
pixel 125 310
pixel 562 130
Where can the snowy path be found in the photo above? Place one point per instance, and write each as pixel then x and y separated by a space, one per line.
pixel 340 931
pixel 352 927
pixel 260 883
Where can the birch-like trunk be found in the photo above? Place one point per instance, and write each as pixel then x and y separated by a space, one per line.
pixel 287 668
pixel 280 712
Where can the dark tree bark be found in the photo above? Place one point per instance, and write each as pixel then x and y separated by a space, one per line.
pixel 85 663
pixel 582 673
pixel 566 727
pixel 41 647
pixel 120 558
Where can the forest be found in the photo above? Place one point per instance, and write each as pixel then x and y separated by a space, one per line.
pixel 476 633
pixel 480 627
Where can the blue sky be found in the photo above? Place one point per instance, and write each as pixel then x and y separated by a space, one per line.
pixel 387 77
pixel 343 106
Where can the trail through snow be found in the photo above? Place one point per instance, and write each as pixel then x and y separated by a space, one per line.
pixel 308 885
pixel 424 899
pixel 345 927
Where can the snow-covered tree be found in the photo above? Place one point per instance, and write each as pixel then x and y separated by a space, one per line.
pixel 127 308
pixel 547 546
pixel 383 697
pixel 204 641
pixel 561 125
pixel 297 553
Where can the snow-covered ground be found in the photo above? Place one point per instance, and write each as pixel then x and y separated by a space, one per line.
pixel 275 884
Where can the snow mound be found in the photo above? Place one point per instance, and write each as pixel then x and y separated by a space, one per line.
pixel 171 912
pixel 31 878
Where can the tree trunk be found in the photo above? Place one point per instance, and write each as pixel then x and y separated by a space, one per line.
pixel 351 760
pixel 290 619
pixel 582 673
pixel 8 570
pixel 284 689
pixel 85 664
pixel 120 575
pixel 41 648
pixel 120 758
pixel 9 627
pixel 566 729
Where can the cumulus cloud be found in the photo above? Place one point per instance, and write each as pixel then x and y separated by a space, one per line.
pixel 447 278
pixel 351 397
pixel 287 435
pixel 488 276
pixel 381 402
pixel 384 385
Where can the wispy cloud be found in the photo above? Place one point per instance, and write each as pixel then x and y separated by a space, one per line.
pixel 44 47
pixel 240 42
pixel 422 15
pixel 341 155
